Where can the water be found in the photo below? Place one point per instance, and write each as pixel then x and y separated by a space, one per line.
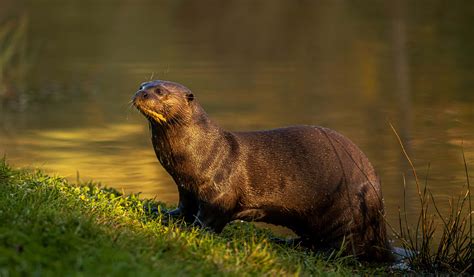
pixel 348 66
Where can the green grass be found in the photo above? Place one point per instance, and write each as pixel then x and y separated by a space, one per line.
pixel 51 227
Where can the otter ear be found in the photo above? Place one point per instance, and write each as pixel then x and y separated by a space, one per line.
pixel 190 97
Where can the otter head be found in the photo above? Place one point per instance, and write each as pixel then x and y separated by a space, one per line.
pixel 164 102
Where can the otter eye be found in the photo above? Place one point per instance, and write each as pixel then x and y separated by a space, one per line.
pixel 190 96
pixel 157 90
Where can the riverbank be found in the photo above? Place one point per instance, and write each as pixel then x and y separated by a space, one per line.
pixel 52 227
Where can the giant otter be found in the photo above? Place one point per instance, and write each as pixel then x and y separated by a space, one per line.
pixel 310 179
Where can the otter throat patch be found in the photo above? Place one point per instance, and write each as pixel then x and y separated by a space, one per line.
pixel 157 116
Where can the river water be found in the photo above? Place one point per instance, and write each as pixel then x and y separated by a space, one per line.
pixel 350 66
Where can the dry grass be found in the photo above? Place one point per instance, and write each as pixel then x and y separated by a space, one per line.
pixel 452 251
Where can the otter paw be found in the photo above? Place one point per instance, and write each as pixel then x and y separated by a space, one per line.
pixel 150 209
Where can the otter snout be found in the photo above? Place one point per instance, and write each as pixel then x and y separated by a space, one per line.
pixel 144 95
pixel 141 94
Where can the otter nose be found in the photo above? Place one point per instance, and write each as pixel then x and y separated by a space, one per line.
pixel 141 94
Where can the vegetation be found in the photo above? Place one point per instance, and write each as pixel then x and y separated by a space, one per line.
pixel 453 251
pixel 14 57
pixel 52 227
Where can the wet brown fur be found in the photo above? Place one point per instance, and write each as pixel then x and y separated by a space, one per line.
pixel 310 179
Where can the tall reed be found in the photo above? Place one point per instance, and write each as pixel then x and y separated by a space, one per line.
pixel 15 57
pixel 452 251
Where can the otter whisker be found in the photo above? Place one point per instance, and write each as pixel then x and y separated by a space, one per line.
pixel 151 77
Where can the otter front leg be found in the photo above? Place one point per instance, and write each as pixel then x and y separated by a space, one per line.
pixel 187 206
pixel 211 218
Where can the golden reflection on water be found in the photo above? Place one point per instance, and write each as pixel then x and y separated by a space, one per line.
pixel 100 154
